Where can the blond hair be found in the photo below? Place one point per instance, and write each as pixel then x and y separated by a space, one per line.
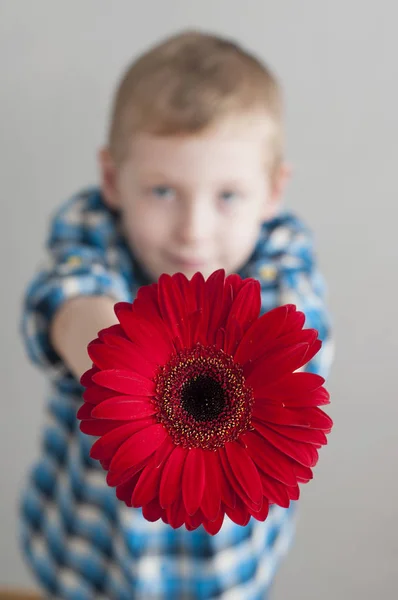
pixel 186 84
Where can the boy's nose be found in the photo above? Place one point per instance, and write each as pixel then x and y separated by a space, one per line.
pixel 195 223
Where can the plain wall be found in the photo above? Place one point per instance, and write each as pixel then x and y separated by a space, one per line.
pixel 59 62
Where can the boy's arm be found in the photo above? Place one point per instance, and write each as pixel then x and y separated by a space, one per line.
pixel 290 275
pixel 72 297
pixel 306 289
pixel 301 283
pixel 76 324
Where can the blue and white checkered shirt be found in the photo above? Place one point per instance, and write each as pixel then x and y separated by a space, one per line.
pixel 81 542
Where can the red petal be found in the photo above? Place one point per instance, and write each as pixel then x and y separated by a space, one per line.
pixel 220 300
pixel 211 500
pixel 300 399
pixel 138 447
pixel 197 328
pixel 312 351
pixel 193 480
pixel 125 490
pixel 294 492
pixel 229 294
pixel 233 482
pixel 176 513
pixel 171 477
pixel 146 310
pixel 274 368
pixel 291 338
pixel 86 378
pixel 197 287
pixel 172 306
pixel 125 306
pixel 228 495
pixel 105 463
pixel 124 408
pixel 263 331
pixel 283 343
pixel 301 434
pixel 105 357
pixel 244 470
pixel 194 521
pixel 95 394
pixel 295 385
pixel 219 339
pixel 319 397
pixel 200 306
pixel 164 516
pixel 125 382
pixel 295 321
pixel 147 487
pixel 213 527
pixel 114 331
pixel 235 283
pixel 163 452
pixel 146 301
pixel 91 426
pixel 118 352
pixel 261 514
pixel 107 445
pixel 269 459
pixel 151 335
pixel 303 473
pixel 246 307
pixel 303 417
pixel 306 454
pixel 232 337
pixel 187 290
pixel 115 478
pixel 240 514
pixel 275 491
pixel 152 512
pixel 84 411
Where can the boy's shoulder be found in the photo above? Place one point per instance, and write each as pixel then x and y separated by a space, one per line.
pixel 287 232
pixel 85 217
pixel 83 206
pixel 285 245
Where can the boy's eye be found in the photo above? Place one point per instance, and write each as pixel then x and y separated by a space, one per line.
pixel 162 191
pixel 228 196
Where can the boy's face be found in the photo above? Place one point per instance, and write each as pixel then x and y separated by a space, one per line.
pixel 194 202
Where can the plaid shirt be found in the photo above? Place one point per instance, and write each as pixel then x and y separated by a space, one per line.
pixel 82 543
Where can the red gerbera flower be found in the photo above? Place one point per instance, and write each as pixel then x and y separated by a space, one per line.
pixel 198 403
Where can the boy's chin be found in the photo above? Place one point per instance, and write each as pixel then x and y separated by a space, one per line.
pixel 189 272
pixel 206 269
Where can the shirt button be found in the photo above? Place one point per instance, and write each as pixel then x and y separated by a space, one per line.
pixel 74 261
pixel 268 272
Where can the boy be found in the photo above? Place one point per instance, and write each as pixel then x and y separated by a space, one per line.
pixel 191 180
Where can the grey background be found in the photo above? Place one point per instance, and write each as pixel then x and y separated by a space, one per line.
pixel 59 62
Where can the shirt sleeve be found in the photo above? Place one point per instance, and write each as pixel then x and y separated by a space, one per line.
pixel 78 263
pixel 301 283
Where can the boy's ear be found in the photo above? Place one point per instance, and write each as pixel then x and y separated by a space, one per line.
pixel 278 185
pixel 108 174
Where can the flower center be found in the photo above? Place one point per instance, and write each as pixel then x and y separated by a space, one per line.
pixel 202 398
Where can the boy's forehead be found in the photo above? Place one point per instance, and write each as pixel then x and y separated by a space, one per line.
pixel 233 142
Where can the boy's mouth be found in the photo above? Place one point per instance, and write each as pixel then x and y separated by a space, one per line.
pixel 187 262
